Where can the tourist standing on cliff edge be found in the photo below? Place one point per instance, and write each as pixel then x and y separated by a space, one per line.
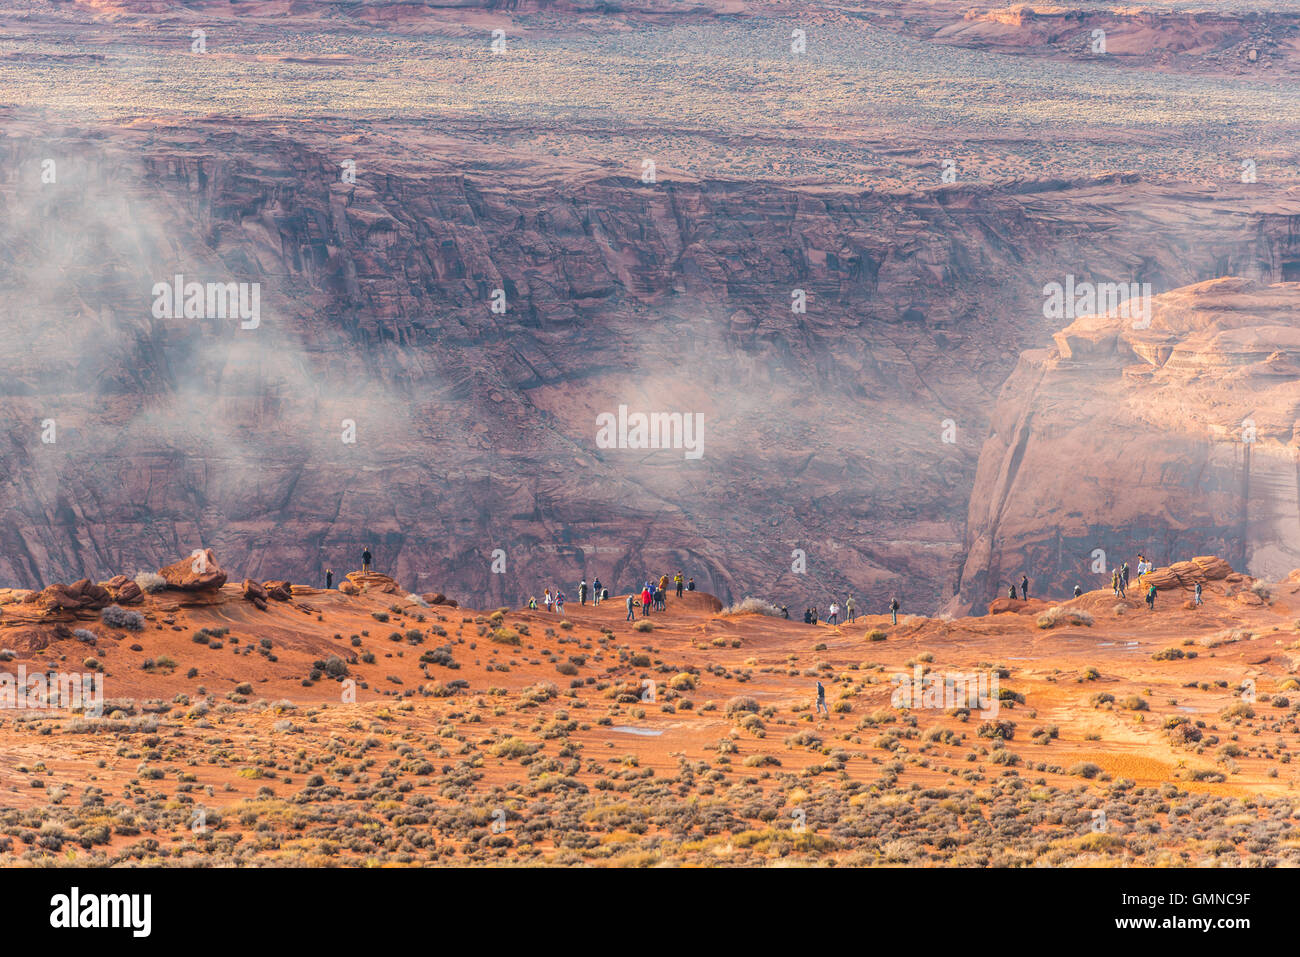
pixel 365 559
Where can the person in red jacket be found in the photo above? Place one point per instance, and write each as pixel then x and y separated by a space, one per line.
pixel 646 598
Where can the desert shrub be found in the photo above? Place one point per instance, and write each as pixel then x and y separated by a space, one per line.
pixel 85 636
pixel 1006 730
pixel 513 747
pixel 1101 698
pixel 741 703
pixel 1169 654
pixel 115 616
pixel 1084 769
pixel 1057 615
pixel 379 615
pixel 684 681
pixel 1239 710
pixel 506 636
pixel 439 656
pixel 876 635
pixel 751 606
pixel 643 625
pixel 150 582
pixel 1134 703
pixel 334 666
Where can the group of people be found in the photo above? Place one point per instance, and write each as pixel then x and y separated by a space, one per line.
pixel 811 616
pixel 1119 582
pixel 655 596
pixel 1119 579
pixel 651 597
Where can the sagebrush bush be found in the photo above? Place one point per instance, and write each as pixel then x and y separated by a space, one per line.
pixel 115 616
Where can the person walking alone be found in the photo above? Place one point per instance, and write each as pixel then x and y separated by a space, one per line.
pixel 821 700
pixel 1197 597
pixel 893 610
pixel 631 605
pixel 1024 588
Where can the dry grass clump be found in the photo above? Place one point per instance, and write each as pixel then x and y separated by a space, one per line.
pixel 1057 615
pixel 751 606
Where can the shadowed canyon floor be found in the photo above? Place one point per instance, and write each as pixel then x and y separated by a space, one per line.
pixel 1124 735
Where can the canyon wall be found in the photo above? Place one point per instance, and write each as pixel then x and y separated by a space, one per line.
pixel 845 437
pixel 1172 440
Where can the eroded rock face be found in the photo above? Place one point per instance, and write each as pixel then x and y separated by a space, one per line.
pixel 477 431
pixel 1178 438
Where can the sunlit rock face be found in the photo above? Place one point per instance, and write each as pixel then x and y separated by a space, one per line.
pixel 1165 434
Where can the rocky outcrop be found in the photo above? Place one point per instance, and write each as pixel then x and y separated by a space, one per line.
pixel 1170 437
pixel 198 572
pixel 279 590
pixel 374 582
pixel 1187 575
pixel 123 590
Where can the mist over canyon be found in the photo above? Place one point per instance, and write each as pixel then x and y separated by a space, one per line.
pixel 450 303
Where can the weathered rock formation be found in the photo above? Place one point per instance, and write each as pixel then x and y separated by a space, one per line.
pixel 195 573
pixel 1170 439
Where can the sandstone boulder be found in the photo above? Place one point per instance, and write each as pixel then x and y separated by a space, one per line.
pixel 123 590
pixel 374 582
pixel 1203 569
pixel 279 590
pixel 195 573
